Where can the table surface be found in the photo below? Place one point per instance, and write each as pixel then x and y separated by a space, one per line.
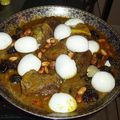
pixel 8 111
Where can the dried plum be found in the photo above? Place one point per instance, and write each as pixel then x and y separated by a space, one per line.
pixel 94 34
pixel 3 67
pixel 11 50
pixel 13 65
pixel 15 37
pixel 15 78
pixel 19 31
pixel 6 64
pixel 105 68
pixel 90 96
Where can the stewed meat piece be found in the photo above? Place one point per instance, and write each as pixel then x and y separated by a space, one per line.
pixel 43 84
pixel 83 60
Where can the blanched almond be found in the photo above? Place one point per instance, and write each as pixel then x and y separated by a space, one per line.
pixel 47 46
pixel 82 90
pixel 71 54
pixel 43 50
pixel 45 63
pixel 48 40
pixel 46 70
pixel 103 52
pixel 13 58
pixel 41 70
pixel 40 54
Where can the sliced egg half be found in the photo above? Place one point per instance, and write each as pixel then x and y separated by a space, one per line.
pixel 62 31
pixel 26 44
pixel 65 67
pixel 73 22
pixel 77 43
pixel 27 63
pixel 62 103
pixel 103 81
pixel 5 40
pixel 93 46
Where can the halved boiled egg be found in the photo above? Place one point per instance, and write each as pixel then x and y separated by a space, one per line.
pixel 26 44
pixel 103 81
pixel 73 22
pixel 65 67
pixel 62 103
pixel 93 46
pixel 62 31
pixel 27 63
pixel 77 43
pixel 5 40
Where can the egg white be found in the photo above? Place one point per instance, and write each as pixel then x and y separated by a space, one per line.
pixel 103 81
pixel 62 31
pixel 26 44
pixel 62 103
pixel 77 43
pixel 5 40
pixel 73 22
pixel 27 63
pixel 93 46
pixel 65 67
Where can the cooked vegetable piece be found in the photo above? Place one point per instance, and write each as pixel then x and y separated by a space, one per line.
pixel 42 32
pixel 81 29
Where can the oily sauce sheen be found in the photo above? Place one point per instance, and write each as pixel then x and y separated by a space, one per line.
pixel 39 93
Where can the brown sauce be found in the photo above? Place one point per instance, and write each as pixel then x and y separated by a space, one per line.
pixel 70 86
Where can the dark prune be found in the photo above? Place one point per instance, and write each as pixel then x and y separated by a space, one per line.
pixel 99 56
pixel 15 78
pixel 9 65
pixel 105 68
pixel 11 50
pixel 19 31
pixel 15 37
pixel 13 65
pixel 117 82
pixel 90 96
pixel 3 67
pixel 94 34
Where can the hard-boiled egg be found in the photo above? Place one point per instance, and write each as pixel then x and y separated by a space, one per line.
pixel 93 46
pixel 26 44
pixel 5 40
pixel 103 81
pixel 27 63
pixel 62 31
pixel 77 43
pixel 73 22
pixel 65 67
pixel 62 103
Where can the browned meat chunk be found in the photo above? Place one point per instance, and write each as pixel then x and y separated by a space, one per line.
pixel 55 51
pixel 53 22
pixel 83 60
pixel 44 84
